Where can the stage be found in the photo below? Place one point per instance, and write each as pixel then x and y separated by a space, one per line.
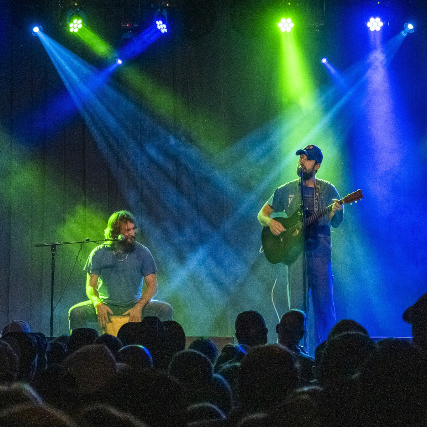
pixel 192 133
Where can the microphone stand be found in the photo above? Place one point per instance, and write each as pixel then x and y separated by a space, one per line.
pixel 53 246
pixel 304 256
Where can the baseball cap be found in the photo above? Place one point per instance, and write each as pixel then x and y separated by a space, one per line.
pixel 312 152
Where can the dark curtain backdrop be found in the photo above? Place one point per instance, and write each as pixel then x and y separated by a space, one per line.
pixel 217 83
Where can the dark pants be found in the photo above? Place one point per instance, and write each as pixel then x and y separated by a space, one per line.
pixel 83 315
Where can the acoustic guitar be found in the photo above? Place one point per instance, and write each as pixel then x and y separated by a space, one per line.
pixel 288 245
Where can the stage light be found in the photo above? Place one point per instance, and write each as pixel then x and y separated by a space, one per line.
pixel 375 24
pixel 324 60
pixel 76 19
pixel 162 21
pixel 285 24
pixel 37 30
pixel 75 25
pixel 408 28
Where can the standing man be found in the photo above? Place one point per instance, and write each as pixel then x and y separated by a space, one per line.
pixel 121 279
pixel 317 195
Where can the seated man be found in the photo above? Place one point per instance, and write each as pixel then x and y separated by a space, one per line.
pixel 250 329
pixel 116 273
pixel 290 331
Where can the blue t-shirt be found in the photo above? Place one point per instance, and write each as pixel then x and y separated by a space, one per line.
pixel 121 275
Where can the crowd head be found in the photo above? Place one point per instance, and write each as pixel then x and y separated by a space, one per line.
pixel 148 376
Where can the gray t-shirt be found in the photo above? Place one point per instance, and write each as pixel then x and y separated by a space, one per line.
pixel 287 198
pixel 121 275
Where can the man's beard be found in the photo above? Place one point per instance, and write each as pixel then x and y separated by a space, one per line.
pixel 306 174
pixel 127 245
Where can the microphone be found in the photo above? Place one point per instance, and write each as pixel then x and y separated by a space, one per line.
pixel 119 238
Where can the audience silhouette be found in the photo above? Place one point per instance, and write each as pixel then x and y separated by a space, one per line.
pixel 146 377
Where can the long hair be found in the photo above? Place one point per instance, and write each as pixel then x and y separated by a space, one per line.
pixel 115 222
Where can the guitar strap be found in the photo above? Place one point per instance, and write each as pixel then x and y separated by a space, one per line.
pixel 316 195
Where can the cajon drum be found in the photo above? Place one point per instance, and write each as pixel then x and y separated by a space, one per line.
pixel 115 323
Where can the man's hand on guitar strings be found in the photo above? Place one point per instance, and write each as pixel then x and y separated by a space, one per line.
pixel 276 228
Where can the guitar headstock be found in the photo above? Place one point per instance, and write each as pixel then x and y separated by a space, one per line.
pixel 353 197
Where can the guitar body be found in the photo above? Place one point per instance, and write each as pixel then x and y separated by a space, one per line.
pixel 288 245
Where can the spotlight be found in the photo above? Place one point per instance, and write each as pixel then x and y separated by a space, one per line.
pixel 75 25
pixel 324 60
pixel 285 25
pixel 375 24
pixel 162 20
pixel 408 28
pixel 37 30
pixel 76 19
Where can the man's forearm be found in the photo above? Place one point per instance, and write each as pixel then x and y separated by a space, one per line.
pixel 337 219
pixel 94 297
pixel 149 292
pixel 264 215
pixel 264 220
pixel 91 291
pixel 144 300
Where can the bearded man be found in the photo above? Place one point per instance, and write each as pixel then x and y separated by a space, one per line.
pixel 312 273
pixel 121 279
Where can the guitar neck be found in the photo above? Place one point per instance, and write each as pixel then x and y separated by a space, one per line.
pixel 314 217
